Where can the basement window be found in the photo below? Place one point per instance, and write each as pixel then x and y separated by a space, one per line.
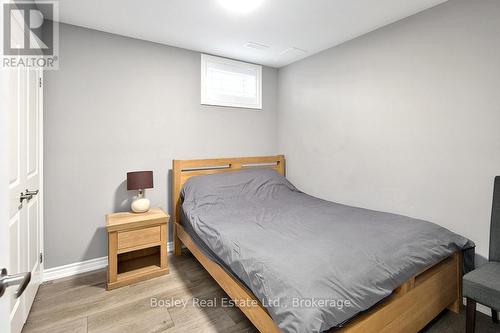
pixel 226 82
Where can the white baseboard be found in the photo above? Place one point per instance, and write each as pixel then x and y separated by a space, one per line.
pixel 80 267
pixel 74 268
pixel 480 308
pixel 483 309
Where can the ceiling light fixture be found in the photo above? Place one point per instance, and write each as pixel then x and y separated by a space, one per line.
pixel 241 6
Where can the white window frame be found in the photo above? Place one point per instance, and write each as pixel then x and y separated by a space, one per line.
pixel 206 100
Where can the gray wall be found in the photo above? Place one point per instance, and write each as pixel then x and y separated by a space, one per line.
pixel 118 104
pixel 404 119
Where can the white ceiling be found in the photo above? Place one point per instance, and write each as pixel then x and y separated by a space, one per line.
pixel 206 26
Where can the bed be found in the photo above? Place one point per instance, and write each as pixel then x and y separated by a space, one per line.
pixel 397 297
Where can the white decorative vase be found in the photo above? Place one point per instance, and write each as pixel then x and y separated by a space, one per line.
pixel 140 205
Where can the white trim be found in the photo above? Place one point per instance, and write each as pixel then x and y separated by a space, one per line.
pixel 81 267
pixel 74 268
pixel 41 187
pixel 483 309
pixel 13 312
pixel 227 100
pixel 480 308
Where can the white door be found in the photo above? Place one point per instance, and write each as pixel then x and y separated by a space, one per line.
pixel 21 227
pixel 24 113
pixel 4 194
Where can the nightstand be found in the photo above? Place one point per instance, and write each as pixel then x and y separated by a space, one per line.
pixel 137 246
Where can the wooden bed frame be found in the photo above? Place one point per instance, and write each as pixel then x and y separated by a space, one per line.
pixel 411 306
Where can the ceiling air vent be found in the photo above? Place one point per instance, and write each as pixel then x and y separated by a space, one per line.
pixel 293 52
pixel 256 46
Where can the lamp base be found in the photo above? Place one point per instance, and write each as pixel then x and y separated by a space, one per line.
pixel 140 205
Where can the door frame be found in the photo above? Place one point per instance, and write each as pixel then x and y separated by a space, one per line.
pixel 40 85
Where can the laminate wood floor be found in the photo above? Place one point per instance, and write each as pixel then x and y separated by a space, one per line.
pixel 81 304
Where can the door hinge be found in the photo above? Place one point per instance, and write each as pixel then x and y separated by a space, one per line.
pixel 40 82
pixel 41 257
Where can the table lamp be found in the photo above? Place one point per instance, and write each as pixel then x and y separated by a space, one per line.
pixel 140 180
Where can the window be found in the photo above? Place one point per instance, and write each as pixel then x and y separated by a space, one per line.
pixel 227 82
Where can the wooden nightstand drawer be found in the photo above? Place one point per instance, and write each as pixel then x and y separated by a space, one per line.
pixel 139 237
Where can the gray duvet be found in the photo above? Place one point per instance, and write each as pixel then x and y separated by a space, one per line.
pixel 313 263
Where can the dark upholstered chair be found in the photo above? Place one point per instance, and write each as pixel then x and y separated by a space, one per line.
pixel 483 284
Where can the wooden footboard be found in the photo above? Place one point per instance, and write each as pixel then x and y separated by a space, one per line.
pixel 414 304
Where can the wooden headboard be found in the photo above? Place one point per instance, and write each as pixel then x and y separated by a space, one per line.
pixel 182 170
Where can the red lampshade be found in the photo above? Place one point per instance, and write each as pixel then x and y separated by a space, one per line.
pixel 139 180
